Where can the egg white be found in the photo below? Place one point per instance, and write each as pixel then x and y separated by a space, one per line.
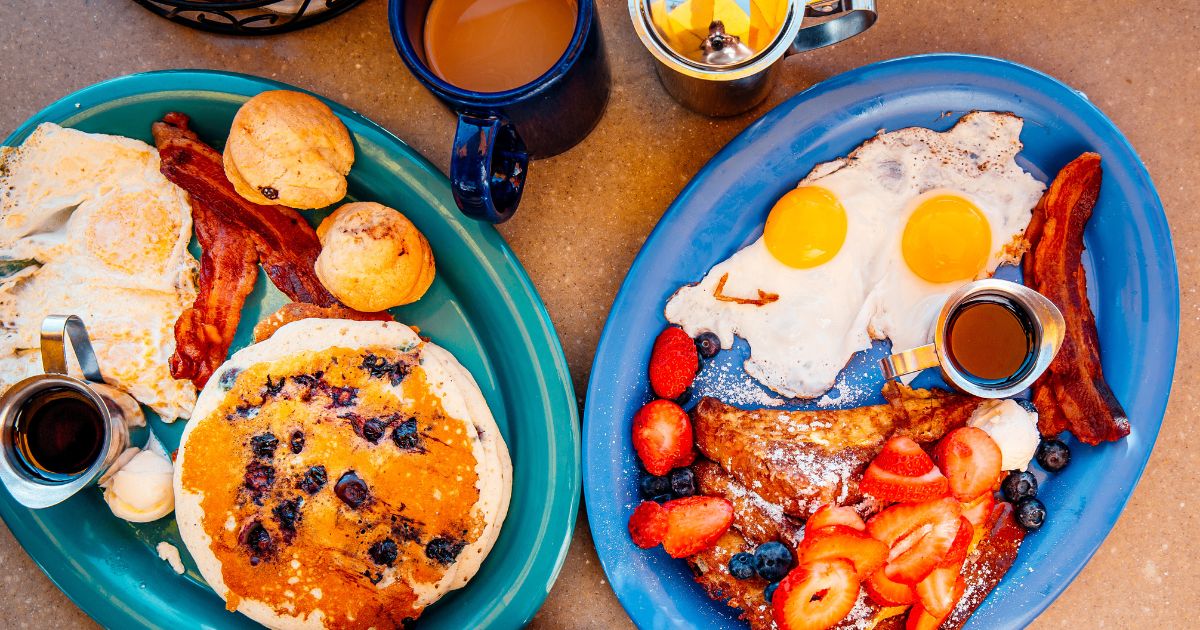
pixel 824 314
pixel 102 235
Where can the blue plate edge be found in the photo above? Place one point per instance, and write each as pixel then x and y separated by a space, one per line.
pixel 769 118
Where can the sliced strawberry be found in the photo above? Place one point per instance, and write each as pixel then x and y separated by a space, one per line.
pixel 662 437
pixel 886 592
pixel 838 541
pixel 648 524
pixel 673 363
pixel 961 545
pixel 694 524
pixel 940 590
pixel 921 619
pixel 815 596
pixel 903 456
pixel 919 536
pixel 827 515
pixel 979 510
pixel 970 460
pixel 893 488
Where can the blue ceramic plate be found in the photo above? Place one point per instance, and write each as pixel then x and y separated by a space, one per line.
pixel 482 308
pixel 1132 277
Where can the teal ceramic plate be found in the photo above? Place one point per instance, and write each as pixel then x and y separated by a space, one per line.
pixel 482 308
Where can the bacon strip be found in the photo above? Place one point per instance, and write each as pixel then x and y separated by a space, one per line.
pixel 235 235
pixel 286 244
pixel 228 269
pixel 1073 395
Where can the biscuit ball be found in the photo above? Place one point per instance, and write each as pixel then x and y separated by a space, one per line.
pixel 288 148
pixel 373 258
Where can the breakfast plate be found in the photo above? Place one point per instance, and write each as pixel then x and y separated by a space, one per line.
pixel 482 307
pixel 1132 286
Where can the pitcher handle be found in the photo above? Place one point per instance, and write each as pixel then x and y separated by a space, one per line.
pixel 854 17
pixel 909 361
pixel 54 351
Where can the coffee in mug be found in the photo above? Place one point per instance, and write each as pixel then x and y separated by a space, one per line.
pixel 497 45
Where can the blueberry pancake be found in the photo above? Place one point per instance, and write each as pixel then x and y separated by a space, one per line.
pixel 340 474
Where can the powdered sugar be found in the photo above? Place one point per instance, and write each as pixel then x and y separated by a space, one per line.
pixel 731 384
pixel 821 468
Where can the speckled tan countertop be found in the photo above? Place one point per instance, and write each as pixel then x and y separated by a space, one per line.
pixel 586 212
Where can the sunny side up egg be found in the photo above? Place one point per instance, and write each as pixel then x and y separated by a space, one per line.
pixel 90 227
pixel 868 246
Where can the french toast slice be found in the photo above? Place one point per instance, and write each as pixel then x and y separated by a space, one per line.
pixel 758 489
pixel 801 460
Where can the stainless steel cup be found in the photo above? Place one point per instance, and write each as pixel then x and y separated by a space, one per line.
pixel 36 488
pixel 733 84
pixel 1047 323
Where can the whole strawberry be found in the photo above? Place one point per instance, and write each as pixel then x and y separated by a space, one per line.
pixel 673 363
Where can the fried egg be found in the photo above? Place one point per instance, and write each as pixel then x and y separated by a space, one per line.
pixel 89 226
pixel 868 247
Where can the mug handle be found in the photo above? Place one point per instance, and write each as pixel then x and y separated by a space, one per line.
pixel 910 361
pixel 855 17
pixel 54 351
pixel 487 167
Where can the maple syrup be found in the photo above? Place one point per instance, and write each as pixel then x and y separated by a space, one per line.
pixel 58 434
pixel 991 340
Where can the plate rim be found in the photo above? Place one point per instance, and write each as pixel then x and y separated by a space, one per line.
pixel 630 602
pixel 522 602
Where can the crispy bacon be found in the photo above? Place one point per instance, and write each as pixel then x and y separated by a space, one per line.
pixel 1072 395
pixel 286 244
pixel 235 235
pixel 297 311
pixel 228 269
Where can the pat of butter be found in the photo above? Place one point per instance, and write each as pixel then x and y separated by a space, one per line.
pixel 141 491
pixel 1012 428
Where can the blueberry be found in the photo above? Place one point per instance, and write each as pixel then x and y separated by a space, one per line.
pixel 769 592
pixel 264 445
pixel 683 482
pixel 273 387
pixel 351 489
pixel 343 396
pixel 684 398
pixel 314 479
pixel 384 552
pixel 772 561
pixel 287 513
pixel 1053 455
pixel 373 429
pixel 406 437
pixel 1031 513
pixel 259 478
pixel 258 540
pixel 741 565
pixel 654 486
pixel 708 345
pixel 1028 405
pixel 444 550
pixel 297 441
pixel 1018 485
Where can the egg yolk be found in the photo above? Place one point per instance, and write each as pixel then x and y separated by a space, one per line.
pixel 947 239
pixel 806 227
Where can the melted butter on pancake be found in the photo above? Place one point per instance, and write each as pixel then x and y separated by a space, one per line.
pixel 368 411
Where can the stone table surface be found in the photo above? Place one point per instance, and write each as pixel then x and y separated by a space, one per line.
pixel 586 212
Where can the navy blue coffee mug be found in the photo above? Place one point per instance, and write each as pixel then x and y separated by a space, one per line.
pixel 498 132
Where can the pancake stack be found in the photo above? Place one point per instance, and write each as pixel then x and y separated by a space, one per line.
pixel 340 474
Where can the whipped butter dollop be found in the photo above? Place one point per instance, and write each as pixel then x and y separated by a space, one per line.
pixel 141 490
pixel 1012 428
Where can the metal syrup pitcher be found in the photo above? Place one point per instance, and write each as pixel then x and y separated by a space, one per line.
pixel 719 57
pixel 60 434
